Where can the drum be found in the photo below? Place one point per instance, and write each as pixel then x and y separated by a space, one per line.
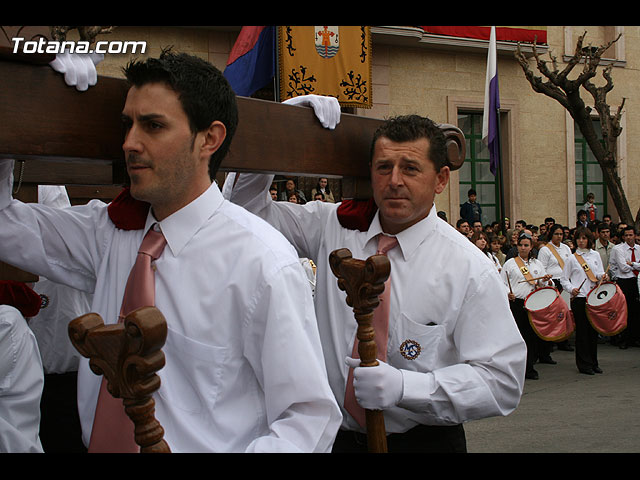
pixel 607 309
pixel 549 315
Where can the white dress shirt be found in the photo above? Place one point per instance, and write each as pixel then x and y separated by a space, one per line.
pixel 446 296
pixel 550 262
pixel 511 275
pixel 574 275
pixel 60 305
pixel 244 368
pixel 21 383
pixel 620 255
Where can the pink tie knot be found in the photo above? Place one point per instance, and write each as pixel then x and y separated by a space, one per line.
pixel 153 244
pixel 386 243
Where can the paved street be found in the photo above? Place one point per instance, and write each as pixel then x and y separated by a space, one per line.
pixel 569 412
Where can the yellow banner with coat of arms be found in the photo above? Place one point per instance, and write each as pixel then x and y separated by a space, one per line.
pixel 325 60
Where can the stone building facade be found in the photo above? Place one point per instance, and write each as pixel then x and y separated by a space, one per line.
pixel 547 170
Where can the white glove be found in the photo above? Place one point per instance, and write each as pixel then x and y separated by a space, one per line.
pixel 376 388
pixel 79 69
pixel 327 109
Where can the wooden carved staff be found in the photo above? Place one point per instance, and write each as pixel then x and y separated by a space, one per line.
pixel 363 281
pixel 128 354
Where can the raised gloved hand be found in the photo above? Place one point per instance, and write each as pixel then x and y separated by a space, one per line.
pixel 376 388
pixel 327 109
pixel 79 69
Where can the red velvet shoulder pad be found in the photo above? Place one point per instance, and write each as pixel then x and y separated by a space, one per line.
pixel 356 214
pixel 126 212
pixel 20 296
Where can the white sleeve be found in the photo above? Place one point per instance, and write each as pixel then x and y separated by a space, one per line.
pixel 488 378
pixel 53 196
pixel 620 261
pixel 62 245
pixel 302 225
pixel 597 268
pixel 567 273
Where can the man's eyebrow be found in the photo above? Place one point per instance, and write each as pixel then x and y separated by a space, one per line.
pixel 143 118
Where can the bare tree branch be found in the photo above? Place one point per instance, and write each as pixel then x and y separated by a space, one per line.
pixel 560 87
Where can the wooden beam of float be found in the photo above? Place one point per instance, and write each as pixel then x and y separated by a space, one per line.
pixel 68 137
pixel 76 137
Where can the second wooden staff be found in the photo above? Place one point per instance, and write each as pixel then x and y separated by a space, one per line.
pixel 363 281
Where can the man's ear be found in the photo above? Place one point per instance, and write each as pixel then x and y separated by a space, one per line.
pixel 442 179
pixel 212 138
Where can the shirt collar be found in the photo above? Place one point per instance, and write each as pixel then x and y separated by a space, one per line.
pixel 409 239
pixel 179 227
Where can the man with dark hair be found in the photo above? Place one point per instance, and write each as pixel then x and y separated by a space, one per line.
pixel 463 227
pixel 439 367
pixel 604 246
pixel 626 258
pixel 205 96
pixel 231 288
pixel 471 209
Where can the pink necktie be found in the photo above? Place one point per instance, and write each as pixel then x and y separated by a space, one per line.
pixel 113 430
pixel 381 328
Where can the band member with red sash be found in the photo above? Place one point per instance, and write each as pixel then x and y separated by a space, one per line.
pixel 581 273
pixel 523 275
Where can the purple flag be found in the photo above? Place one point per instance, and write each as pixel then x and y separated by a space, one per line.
pixel 491 106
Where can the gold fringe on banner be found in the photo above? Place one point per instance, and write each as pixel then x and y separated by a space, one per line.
pixel 322 60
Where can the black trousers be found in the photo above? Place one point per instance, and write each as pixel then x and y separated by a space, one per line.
pixel 420 439
pixel 60 430
pixel 629 287
pixel 586 336
pixel 526 330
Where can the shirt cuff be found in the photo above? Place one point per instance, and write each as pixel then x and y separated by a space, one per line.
pixel 416 390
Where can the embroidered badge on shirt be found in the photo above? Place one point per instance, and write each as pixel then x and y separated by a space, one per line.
pixel 44 301
pixel 410 349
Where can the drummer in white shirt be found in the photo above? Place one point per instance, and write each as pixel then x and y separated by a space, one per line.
pixel 554 255
pixel 581 273
pixel 513 274
pixel 454 352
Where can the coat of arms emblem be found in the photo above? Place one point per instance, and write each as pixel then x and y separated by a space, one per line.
pixel 327 41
